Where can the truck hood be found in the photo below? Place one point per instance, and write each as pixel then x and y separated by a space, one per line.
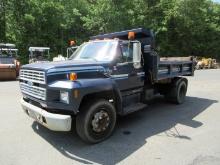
pixel 69 65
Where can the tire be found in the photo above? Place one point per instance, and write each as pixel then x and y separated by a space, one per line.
pixel 89 125
pixel 178 91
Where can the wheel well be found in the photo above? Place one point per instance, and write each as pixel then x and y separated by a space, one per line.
pixel 177 80
pixel 107 95
pixel 165 88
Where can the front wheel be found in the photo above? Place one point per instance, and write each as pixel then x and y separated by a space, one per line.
pixel 96 121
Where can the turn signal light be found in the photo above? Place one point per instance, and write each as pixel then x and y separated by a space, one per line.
pixel 72 76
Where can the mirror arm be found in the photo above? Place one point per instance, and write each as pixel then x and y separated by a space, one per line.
pixel 122 64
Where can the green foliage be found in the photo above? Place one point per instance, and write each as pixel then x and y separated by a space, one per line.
pixel 182 27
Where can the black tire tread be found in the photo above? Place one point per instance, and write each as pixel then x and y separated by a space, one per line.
pixel 172 94
pixel 83 117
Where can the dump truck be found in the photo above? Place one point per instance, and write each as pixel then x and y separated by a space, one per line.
pixel 9 64
pixel 111 75
pixel 39 54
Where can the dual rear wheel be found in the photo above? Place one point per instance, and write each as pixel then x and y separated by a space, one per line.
pixel 177 92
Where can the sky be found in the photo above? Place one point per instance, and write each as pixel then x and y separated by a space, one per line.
pixel 216 1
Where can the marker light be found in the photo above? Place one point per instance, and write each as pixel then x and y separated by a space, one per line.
pixel 72 76
pixel 131 35
pixel 76 94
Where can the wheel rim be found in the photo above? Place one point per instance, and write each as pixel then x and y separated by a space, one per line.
pixel 100 121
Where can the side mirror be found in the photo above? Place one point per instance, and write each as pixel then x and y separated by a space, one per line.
pixel 137 55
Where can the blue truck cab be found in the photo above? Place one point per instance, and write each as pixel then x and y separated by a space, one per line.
pixel 110 75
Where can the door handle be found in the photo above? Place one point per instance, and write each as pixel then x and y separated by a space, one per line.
pixel 122 64
pixel 133 73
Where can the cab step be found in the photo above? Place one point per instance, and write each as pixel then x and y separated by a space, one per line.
pixel 134 107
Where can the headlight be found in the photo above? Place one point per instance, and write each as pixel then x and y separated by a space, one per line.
pixel 64 97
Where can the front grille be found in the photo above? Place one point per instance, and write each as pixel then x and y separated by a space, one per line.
pixel 30 83
pixel 34 91
pixel 33 76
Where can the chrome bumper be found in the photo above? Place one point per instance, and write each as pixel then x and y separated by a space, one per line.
pixel 55 122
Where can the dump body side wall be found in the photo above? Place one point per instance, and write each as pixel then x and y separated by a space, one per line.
pixel 162 68
pixel 171 69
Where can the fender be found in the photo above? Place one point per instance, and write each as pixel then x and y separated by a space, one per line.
pixel 177 80
pixel 86 87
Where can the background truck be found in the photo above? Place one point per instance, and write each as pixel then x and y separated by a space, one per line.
pixel 112 74
pixel 39 54
pixel 207 63
pixel 9 64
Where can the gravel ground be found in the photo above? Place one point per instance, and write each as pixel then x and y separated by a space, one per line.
pixel 187 134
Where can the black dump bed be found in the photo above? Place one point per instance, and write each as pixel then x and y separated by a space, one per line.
pixel 155 67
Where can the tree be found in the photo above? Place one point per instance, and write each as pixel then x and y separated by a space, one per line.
pixel 182 27
pixel 2 20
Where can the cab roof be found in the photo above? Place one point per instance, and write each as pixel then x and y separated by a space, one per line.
pixel 8 49
pixel 7 45
pixel 38 48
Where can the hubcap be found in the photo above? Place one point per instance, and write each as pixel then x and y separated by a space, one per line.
pixel 100 121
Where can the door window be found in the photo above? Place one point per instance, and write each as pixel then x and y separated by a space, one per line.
pixel 127 52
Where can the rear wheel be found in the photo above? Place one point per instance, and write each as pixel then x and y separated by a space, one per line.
pixel 96 121
pixel 178 90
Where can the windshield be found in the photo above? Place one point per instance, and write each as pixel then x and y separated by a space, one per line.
pixel 7 56
pixel 97 51
pixel 8 53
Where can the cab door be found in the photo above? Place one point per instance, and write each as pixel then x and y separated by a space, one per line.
pixel 129 79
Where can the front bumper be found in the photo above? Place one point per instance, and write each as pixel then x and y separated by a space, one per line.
pixel 55 122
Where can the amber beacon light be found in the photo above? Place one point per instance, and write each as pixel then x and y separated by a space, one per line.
pixel 72 43
pixel 131 35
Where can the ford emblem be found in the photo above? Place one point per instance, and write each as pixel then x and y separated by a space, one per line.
pixel 30 83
